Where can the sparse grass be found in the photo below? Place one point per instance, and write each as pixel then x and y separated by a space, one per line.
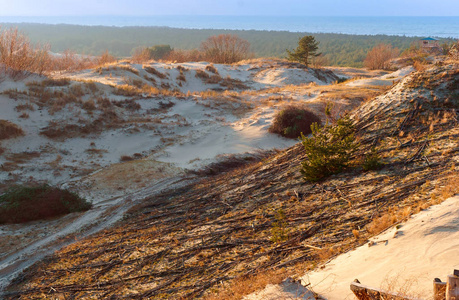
pixel 22 204
pixel 50 82
pixel 127 90
pixel 26 106
pixel 155 72
pixel 246 285
pixel 291 121
pixel 214 79
pixel 202 74
pixel 9 130
pixel 128 104
pixel 129 69
pixel 22 157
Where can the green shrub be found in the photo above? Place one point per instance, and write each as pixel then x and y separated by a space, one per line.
pixel 291 121
pixel 329 150
pixel 22 204
pixel 372 161
pixel 279 232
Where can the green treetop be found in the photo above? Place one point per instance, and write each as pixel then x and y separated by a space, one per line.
pixel 307 49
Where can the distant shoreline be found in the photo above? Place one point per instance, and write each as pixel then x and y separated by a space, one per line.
pixel 444 27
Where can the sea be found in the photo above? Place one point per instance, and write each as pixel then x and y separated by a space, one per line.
pixel 443 27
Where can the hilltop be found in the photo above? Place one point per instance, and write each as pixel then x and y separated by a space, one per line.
pixel 233 232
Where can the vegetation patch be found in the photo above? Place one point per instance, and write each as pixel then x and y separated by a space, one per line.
pixel 329 150
pixel 9 130
pixel 291 121
pixel 22 204
pixel 155 72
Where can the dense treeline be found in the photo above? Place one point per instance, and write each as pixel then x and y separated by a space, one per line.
pixel 339 49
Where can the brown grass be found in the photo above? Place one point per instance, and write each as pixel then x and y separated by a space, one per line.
pixel 211 68
pixel 243 286
pixel 155 72
pixel 9 130
pixel 202 74
pixel 25 106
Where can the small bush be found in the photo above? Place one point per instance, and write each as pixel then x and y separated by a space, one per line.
pixel 9 130
pixel 329 150
pixel 372 161
pixel 22 204
pixel 292 121
pixel 279 232
pixel 125 158
pixel 211 68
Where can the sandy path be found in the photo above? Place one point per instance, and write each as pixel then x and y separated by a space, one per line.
pixel 102 215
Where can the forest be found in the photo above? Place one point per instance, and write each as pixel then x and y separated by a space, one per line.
pixel 338 49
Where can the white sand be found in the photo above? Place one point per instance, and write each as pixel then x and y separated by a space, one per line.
pixel 385 80
pixel 425 247
pixel 401 260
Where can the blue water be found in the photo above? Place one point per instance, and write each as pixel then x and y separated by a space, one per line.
pixel 408 26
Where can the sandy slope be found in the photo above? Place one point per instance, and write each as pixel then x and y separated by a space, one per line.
pixel 405 259
pixel 165 134
pixel 423 248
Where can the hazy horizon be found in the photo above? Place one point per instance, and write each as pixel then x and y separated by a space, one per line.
pixel 421 8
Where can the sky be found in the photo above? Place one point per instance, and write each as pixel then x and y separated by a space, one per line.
pixel 230 7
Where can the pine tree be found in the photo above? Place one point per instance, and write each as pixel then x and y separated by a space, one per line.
pixel 306 50
pixel 329 150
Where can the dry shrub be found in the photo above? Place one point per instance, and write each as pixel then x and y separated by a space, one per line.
pixel 450 189
pixel 212 69
pixel 181 56
pixel 214 79
pixel 24 116
pixel 379 57
pixel 407 288
pixel 225 49
pixel 19 56
pixel 181 77
pixel 202 74
pixel 292 120
pixel 141 55
pixel 89 105
pixel 9 130
pixel 125 158
pixel 22 204
pixel 70 61
pixel 393 216
pixel 106 58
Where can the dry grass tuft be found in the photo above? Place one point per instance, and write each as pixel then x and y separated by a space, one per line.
pixel 9 130
pixel 202 74
pixel 155 72
pixel 212 69
pixel 241 287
